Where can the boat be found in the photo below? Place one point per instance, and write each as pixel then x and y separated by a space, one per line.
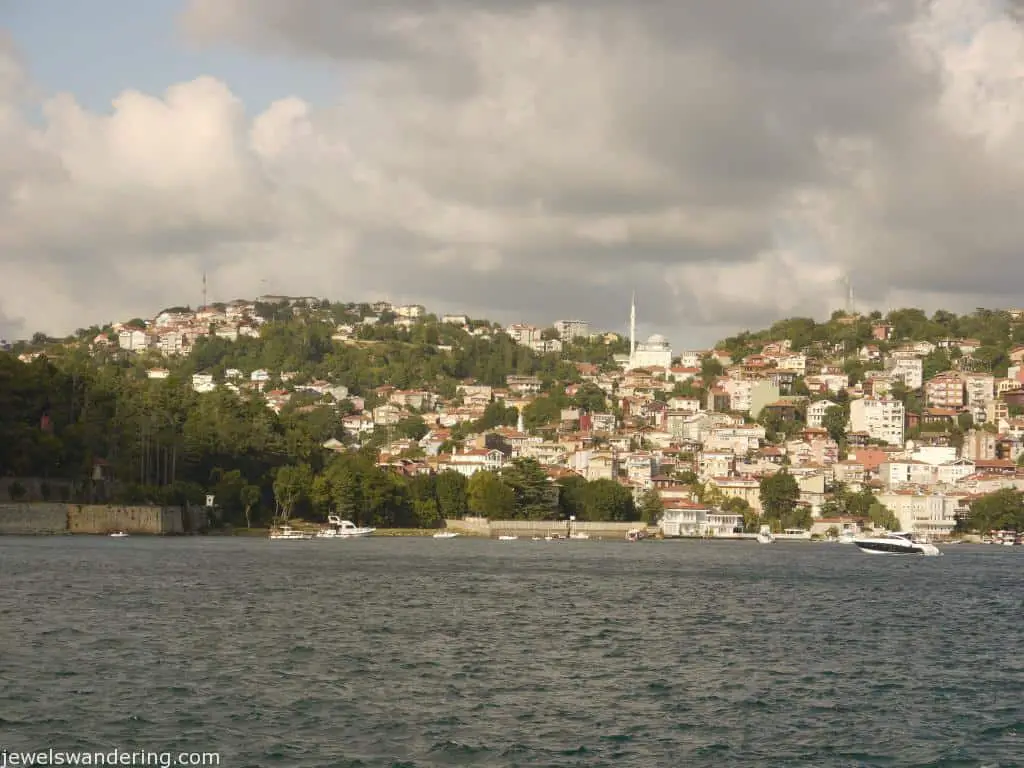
pixel 508 538
pixel 118 535
pixel 580 536
pixel 846 537
pixel 896 543
pixel 337 528
pixel 764 536
pixel 793 534
pixel 636 534
pixel 445 535
pixel 287 532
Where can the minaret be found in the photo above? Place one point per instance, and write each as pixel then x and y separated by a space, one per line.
pixel 632 329
pixel 204 289
pixel 520 424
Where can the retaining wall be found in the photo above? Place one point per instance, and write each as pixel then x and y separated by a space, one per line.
pixel 99 518
pixel 33 518
pixel 47 518
pixel 477 526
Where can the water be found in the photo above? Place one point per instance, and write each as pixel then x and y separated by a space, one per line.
pixel 416 652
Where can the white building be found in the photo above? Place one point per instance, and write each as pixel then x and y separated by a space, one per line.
pixel 979 388
pixel 203 382
pixel 523 334
pixel 133 340
pixel 411 311
pixel 684 518
pixel 882 418
pixel 908 369
pixel 572 329
pixel 816 412
pixel 930 513
pixel 473 461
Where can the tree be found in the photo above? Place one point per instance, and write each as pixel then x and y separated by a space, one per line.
pixel 490 496
pixel 651 507
pixel 572 497
pixel 250 497
pixel 291 485
pixel 779 496
pixel 738 506
pixel 834 421
pixel 607 500
pixel 451 489
pixel 998 511
pixel 882 517
pixel 536 496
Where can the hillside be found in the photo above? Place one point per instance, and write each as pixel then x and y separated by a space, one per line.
pixel 395 416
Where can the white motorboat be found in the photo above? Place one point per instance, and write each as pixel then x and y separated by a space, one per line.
pixel 118 535
pixel 793 534
pixel 580 536
pixel 287 532
pixel 337 528
pixel 846 537
pixel 764 535
pixel 508 538
pixel 445 535
pixel 896 543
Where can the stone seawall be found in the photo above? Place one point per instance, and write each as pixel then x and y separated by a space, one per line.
pixel 31 519
pixel 97 518
pixel 46 518
pixel 478 526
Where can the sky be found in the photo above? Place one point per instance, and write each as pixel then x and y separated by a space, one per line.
pixel 730 162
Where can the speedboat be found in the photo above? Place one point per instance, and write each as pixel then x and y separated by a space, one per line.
pixel 445 535
pixel 896 543
pixel 508 538
pixel 287 532
pixel 579 536
pixel 764 536
pixel 342 529
pixel 118 535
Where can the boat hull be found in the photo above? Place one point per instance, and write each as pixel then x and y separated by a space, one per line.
pixel 885 548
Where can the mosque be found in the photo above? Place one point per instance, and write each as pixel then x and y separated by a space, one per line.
pixel 655 352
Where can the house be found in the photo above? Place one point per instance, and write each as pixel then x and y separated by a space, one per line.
pixel 906 368
pixel 472 461
pixel 692 519
pixel 816 412
pixel 945 390
pixel 880 418
pixel 133 340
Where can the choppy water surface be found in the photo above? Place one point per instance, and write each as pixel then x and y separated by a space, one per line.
pixel 416 652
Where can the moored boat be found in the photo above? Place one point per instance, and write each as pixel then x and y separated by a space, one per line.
pixel 793 534
pixel 118 535
pixel 445 535
pixel 764 536
pixel 287 532
pixel 337 528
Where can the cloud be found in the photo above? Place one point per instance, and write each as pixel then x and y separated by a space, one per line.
pixel 729 161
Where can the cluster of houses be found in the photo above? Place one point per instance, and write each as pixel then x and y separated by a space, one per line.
pixel 694 445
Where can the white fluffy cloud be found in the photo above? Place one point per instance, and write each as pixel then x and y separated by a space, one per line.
pixel 729 160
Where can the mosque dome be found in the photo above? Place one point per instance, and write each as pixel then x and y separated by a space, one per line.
pixel 656 339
